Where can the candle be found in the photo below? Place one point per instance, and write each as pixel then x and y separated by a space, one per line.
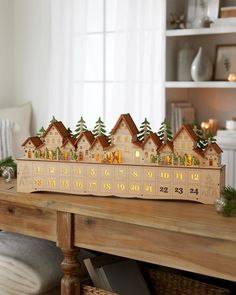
pixel 232 77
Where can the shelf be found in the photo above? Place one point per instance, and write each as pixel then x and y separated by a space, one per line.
pixel 201 31
pixel 208 84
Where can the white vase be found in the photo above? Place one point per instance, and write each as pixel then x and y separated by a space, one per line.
pixel 184 61
pixel 201 69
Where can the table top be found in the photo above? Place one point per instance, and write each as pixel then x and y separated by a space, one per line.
pixel 178 216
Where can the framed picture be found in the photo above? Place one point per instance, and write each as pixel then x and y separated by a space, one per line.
pixel 201 12
pixel 225 61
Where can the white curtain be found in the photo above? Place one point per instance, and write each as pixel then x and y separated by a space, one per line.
pixel 92 74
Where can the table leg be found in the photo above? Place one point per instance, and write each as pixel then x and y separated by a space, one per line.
pixel 70 282
pixel 65 236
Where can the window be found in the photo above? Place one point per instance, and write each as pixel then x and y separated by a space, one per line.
pixel 137 154
pixel 107 56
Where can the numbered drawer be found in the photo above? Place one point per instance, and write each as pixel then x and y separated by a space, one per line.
pixel 135 188
pixel 120 187
pixel 178 177
pixel 120 172
pixel 106 186
pixel 65 184
pixel 93 186
pixel 179 191
pixel 149 174
pixel 78 185
pixel 164 175
pixel 52 169
pixel 149 189
pixel 52 183
pixel 135 174
pixel 194 193
pixel 65 170
pixel 107 172
pixel 39 183
pixel 38 168
pixel 164 190
pixel 92 171
pixel 194 177
pixel 78 170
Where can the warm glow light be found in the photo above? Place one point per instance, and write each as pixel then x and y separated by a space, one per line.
pixel 232 77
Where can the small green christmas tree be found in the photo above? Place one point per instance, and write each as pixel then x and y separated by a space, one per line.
pixel 198 131
pixel 80 127
pixel 145 130
pixel 99 128
pixel 54 120
pixel 70 132
pixel 41 132
pixel 164 132
pixel 204 142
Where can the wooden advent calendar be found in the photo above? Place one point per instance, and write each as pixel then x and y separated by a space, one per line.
pixel 132 163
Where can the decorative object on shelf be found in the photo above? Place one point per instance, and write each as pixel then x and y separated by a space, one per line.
pixel 153 166
pixel 226 203
pixel 201 68
pixel 228 12
pixel 8 168
pixel 209 127
pixel 200 13
pixel 177 22
pixel 232 77
pixel 231 124
pixel 225 61
pixel 184 61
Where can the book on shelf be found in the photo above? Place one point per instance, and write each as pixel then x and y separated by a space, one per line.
pixel 179 113
pixel 116 274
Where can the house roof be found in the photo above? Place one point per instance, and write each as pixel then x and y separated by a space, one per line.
pixel 168 143
pixel 71 140
pixel 153 136
pixel 215 147
pixel 189 130
pixel 60 128
pixel 129 123
pixel 89 136
pixel 102 140
pixel 198 151
pixel 36 141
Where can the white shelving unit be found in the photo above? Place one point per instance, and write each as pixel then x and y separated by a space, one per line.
pixel 211 99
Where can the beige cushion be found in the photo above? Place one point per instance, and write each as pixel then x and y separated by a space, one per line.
pixel 21 117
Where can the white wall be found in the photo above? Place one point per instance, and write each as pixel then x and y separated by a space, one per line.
pixel 6 53
pixel 31 54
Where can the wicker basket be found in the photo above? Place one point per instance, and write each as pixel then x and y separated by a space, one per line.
pixel 167 283
pixel 89 290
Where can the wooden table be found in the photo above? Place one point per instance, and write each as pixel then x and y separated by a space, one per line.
pixel 182 235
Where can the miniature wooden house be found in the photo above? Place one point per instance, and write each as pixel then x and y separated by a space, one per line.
pixel 212 155
pixel 150 146
pixel 83 143
pixel 30 145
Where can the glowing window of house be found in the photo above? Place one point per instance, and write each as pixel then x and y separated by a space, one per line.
pixel 182 145
pixel 137 154
pixel 177 145
pixel 127 139
pixel 189 145
pixel 126 149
